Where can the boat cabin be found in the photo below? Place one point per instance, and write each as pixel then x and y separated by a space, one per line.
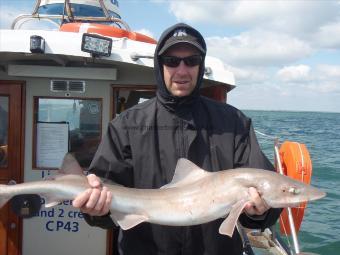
pixel 59 88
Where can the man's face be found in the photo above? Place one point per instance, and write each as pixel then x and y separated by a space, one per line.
pixel 181 80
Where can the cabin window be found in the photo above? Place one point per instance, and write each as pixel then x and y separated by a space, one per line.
pixel 126 97
pixel 66 125
pixel 78 10
pixel 3 130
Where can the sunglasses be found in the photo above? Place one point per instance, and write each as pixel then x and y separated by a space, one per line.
pixel 172 61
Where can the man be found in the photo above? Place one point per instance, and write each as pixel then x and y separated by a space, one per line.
pixel 142 146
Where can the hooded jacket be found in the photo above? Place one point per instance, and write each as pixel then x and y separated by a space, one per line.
pixel 142 145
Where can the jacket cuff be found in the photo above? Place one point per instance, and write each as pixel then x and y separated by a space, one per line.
pixel 268 219
pixel 104 221
pixel 257 217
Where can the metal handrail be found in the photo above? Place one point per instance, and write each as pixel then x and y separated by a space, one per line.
pixel 69 15
pixel 77 18
pixel 36 7
pixel 29 17
pixel 106 12
pixel 289 210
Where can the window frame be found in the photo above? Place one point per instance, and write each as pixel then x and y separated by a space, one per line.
pixel 116 89
pixel 35 122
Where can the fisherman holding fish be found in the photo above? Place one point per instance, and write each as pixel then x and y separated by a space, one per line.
pixel 143 144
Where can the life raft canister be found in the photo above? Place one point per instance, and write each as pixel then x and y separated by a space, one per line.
pixel 105 30
pixel 296 164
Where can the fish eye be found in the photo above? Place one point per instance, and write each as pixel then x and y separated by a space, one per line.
pixel 294 191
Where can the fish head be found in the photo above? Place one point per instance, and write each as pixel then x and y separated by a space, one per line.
pixel 281 191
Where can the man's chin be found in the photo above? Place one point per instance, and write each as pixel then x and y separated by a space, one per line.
pixel 181 93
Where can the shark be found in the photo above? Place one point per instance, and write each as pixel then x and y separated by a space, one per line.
pixel 194 196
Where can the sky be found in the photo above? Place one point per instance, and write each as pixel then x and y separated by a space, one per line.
pixel 285 55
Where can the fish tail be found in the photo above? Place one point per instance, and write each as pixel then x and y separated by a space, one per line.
pixel 3 195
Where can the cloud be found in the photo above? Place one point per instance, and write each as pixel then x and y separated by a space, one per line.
pixel 258 48
pixel 327 79
pixel 7 16
pixel 314 22
pixel 300 73
pixel 326 87
pixel 247 75
pixel 195 11
pixel 328 36
pixel 9 13
pixel 331 71
pixel 264 44
pixel 158 1
pixel 320 79
pixel 289 16
pixel 292 98
pixel 145 31
pixel 296 87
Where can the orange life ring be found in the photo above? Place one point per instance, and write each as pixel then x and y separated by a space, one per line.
pixel 105 30
pixel 296 163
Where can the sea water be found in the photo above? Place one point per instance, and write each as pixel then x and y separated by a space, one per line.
pixel 320 132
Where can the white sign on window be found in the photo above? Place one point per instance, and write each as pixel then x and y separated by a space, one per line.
pixel 52 144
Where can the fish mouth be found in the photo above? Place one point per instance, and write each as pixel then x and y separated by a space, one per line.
pixel 321 194
pixel 297 201
pixel 311 197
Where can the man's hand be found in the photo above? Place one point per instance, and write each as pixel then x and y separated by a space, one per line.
pixel 257 206
pixel 94 201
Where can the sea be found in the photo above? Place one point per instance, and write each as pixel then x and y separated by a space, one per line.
pixel 320 132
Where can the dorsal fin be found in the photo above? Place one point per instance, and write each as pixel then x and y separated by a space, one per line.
pixel 70 165
pixel 186 172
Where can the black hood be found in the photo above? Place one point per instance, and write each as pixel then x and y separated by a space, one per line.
pixel 165 97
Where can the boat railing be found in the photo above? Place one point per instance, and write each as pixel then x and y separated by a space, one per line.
pixel 68 16
pixel 51 18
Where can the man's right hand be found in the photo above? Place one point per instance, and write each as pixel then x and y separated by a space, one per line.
pixel 96 200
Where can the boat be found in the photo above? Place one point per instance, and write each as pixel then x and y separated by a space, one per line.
pixel 59 87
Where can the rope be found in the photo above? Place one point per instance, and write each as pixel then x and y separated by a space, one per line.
pixel 265 135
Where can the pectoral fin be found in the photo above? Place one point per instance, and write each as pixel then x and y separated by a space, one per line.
pixel 127 221
pixel 228 225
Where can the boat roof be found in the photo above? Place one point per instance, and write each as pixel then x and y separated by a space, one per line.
pixel 63 49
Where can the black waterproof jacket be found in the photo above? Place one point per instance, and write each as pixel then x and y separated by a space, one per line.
pixel 142 145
